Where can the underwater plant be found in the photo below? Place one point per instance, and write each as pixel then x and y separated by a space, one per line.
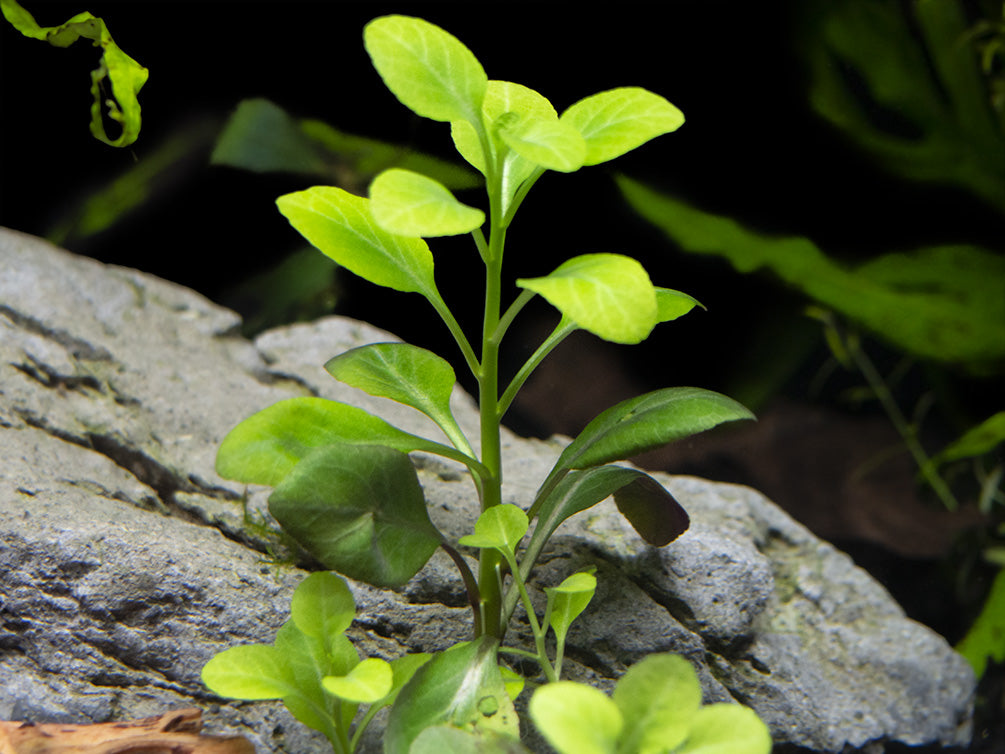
pixel 344 485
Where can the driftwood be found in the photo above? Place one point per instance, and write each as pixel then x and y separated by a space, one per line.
pixel 171 733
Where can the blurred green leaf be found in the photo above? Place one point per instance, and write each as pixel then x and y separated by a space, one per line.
pixel 943 303
pixel 986 638
pixel 902 82
pixel 976 441
pixel 260 136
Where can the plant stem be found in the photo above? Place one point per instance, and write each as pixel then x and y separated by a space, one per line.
pixel 908 431
pixel 490 562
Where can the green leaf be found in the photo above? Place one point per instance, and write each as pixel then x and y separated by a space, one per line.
pixel 311 658
pixel 266 446
pixel 500 527
pixel 608 294
pixel 940 303
pixel 671 304
pixel 976 441
pixel 502 97
pixel 726 729
pixel 368 682
pixel 462 687
pixel 658 698
pixel 341 225
pixel 986 638
pixel 547 142
pixel 429 70
pixel 568 600
pixel 262 137
pixel 410 204
pixel 619 120
pixel 652 511
pixel 358 509
pixel 322 606
pixel 403 668
pixel 124 74
pixel 404 373
pixel 580 490
pixel 253 671
pixel 648 421
pixel 443 739
pixel 576 719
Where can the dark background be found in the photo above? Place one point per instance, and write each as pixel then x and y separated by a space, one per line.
pixel 751 148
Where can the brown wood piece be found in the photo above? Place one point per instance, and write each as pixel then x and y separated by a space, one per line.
pixel 176 732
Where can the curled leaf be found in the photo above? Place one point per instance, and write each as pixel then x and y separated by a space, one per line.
pixel 125 76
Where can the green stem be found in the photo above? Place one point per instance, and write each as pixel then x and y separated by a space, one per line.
pixel 490 562
pixel 908 432
pixel 455 329
pixel 564 329
pixel 535 626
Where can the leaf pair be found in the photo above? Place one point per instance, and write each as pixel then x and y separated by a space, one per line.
pixel 312 666
pixel 656 708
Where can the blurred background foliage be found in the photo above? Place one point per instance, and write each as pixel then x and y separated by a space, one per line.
pixel 836 199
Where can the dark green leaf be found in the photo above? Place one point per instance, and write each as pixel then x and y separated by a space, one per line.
pixel 648 421
pixel 359 509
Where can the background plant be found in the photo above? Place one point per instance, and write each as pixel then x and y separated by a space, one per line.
pixel 344 485
pixel 919 90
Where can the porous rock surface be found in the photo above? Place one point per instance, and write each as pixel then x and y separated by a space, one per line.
pixel 126 562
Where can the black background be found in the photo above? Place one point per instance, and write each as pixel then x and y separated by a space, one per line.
pixel 750 148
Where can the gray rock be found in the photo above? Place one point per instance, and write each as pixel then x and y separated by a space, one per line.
pixel 126 562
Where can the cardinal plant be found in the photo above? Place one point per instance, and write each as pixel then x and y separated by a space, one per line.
pixel 344 485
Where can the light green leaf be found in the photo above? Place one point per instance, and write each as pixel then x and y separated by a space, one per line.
pixel 358 509
pixel 568 600
pixel 124 74
pixel 253 671
pixel 671 304
pixel 726 729
pixel 322 606
pixel 547 142
pixel 410 204
pixel 608 294
pixel 619 120
pixel 368 682
pixel 500 527
pixel 462 687
pixel 986 638
pixel 658 698
pixel 310 659
pixel 429 70
pixel 502 97
pixel 341 225
pixel 576 719
pixel 444 739
pixel 266 446
pixel 648 421
pixel 513 681
pixel 404 373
